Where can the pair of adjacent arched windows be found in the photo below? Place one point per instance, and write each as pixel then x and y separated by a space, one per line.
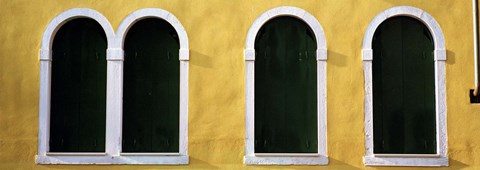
pixel 150 88
pixel 113 99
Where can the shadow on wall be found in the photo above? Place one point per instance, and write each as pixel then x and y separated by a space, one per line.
pixel 201 60
pixel 338 164
pixel 451 57
pixel 454 164
pixel 199 164
pixel 337 59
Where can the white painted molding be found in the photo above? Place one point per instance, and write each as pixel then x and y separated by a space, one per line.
pixel 322 54
pixel 106 159
pixel 115 58
pixel 413 12
pixel 285 160
pixel 367 54
pixel 114 54
pixel 249 55
pixel 138 15
pixel 184 54
pixel 402 161
pixel 68 15
pixel 45 55
pixel 440 57
pixel 301 14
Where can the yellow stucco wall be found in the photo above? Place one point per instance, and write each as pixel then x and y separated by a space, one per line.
pixel 217 30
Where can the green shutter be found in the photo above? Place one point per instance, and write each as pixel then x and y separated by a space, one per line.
pixel 151 88
pixel 285 88
pixel 78 88
pixel 403 88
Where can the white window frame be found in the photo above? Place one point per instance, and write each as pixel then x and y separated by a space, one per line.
pixel 440 56
pixel 117 89
pixel 115 57
pixel 319 158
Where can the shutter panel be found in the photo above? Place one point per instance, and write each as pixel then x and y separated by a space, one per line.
pixel 78 96
pixel 285 88
pixel 403 88
pixel 151 88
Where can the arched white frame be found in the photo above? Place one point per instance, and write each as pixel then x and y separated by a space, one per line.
pixel 440 56
pixel 319 158
pixel 116 89
pixel 115 56
pixel 44 156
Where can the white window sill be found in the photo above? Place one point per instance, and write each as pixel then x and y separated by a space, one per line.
pixel 405 160
pixel 74 158
pixel 286 159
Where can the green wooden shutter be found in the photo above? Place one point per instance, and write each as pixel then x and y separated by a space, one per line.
pixel 285 88
pixel 151 88
pixel 78 97
pixel 403 88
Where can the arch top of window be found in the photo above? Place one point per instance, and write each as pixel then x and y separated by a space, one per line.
pixel 290 11
pixel 420 15
pixel 138 15
pixel 57 22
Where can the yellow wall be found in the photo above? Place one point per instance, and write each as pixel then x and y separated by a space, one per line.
pixel 217 30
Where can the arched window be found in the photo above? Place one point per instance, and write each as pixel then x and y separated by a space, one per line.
pixel 73 117
pixel 77 115
pixel 405 114
pixel 151 88
pixel 403 88
pixel 285 89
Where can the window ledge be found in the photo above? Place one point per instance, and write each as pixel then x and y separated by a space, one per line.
pixel 289 159
pixel 405 160
pixel 108 159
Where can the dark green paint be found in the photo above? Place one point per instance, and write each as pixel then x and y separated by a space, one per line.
pixel 403 88
pixel 285 88
pixel 151 88
pixel 77 122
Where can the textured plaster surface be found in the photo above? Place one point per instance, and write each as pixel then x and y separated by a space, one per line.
pixel 217 31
